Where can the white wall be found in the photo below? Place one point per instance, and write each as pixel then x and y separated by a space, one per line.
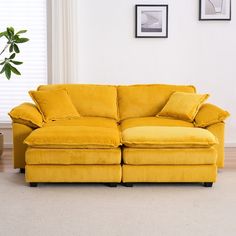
pixel 198 53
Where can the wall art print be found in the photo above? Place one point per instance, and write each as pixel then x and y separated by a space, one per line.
pixel 215 10
pixel 151 21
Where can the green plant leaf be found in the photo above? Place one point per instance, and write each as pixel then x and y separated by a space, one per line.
pixel 21 32
pixel 14 70
pixel 15 37
pixel 16 49
pixel 2 63
pixel 10 32
pixel 3 34
pixel 3 68
pixel 8 70
pixel 7 37
pixel 22 40
pixel 12 56
pixel 11 47
pixel 16 62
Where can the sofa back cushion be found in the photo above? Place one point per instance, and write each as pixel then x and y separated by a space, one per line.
pixel 146 100
pixel 91 100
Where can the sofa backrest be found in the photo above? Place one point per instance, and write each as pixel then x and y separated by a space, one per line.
pixel 146 100
pixel 91 100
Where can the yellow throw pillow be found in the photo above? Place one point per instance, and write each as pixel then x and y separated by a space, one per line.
pixel 183 106
pixel 54 104
pixel 210 114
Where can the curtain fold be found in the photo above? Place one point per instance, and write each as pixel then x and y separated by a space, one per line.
pixel 63 45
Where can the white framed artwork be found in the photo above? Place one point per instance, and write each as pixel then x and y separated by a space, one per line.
pixel 151 21
pixel 214 9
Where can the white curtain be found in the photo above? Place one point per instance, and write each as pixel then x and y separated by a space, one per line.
pixel 63 38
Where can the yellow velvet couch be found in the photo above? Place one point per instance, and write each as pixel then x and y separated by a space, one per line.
pixel 118 138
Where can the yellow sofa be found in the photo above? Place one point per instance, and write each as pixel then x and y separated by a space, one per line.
pixel 118 138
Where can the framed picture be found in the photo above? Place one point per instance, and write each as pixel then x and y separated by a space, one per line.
pixel 151 21
pixel 215 10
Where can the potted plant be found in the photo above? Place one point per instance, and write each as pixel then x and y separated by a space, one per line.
pixel 8 62
pixel 1 144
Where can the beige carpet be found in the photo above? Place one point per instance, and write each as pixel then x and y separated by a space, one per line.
pixel 157 209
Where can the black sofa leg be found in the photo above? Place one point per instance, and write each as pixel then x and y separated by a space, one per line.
pixel 33 185
pixel 111 185
pixel 207 184
pixel 129 185
pixel 22 170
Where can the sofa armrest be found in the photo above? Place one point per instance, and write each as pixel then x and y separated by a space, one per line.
pixel 218 129
pixel 27 114
pixel 209 114
pixel 20 132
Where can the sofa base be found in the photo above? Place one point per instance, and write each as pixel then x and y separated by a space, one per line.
pixel 168 173
pixel 129 185
pixel 208 184
pixel 73 173
pixel 112 174
pixel 33 185
pixel 111 185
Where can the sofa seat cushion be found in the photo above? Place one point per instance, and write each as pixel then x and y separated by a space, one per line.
pixel 72 134
pixel 171 156
pixel 153 121
pixel 167 137
pixel 42 156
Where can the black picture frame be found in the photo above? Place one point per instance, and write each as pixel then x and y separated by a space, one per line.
pixel 154 12
pixel 215 17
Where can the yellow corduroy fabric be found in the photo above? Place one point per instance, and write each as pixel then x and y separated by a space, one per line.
pixel 54 105
pixel 27 114
pixel 183 106
pixel 153 121
pixel 91 100
pixel 74 137
pixel 73 173
pixel 167 137
pixel 171 156
pixel 169 173
pixel 147 99
pixel 84 121
pixel 218 131
pixel 209 114
pixel 20 132
pixel 40 156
